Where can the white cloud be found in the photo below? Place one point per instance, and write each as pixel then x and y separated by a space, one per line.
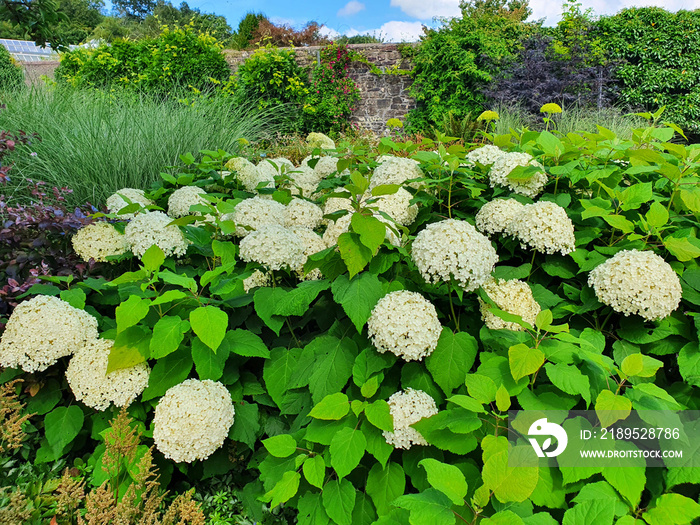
pixel 351 8
pixel 396 31
pixel 328 32
pixel 427 9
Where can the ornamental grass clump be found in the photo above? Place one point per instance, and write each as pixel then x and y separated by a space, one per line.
pixel 496 215
pixel 91 383
pixel 529 185
pixel 43 329
pixel 405 324
pixel 544 227
pixel 275 247
pixel 99 241
pixel 154 228
pixel 408 407
pixel 192 420
pixel 453 249
pixel 637 282
pixel 514 297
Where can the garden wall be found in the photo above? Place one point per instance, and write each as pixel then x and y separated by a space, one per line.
pixel 33 71
pixel 382 96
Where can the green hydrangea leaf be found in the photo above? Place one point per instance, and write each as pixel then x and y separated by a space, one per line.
pixel 384 485
pixel 347 448
pixel 448 479
pixel 280 446
pixel 332 407
pixel 452 359
pixel 210 324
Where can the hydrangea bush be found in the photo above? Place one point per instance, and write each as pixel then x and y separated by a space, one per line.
pixel 358 366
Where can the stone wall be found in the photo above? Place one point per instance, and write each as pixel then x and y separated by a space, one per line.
pixel 34 70
pixel 381 96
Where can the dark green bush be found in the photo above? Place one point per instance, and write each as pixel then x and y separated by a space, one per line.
pixel 11 75
pixel 178 57
pixel 660 52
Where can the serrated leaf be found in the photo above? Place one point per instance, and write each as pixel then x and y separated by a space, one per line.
pixel 347 448
pixel 74 297
pixel 672 509
pixel 245 343
pixel 339 499
pixel 626 475
pixel 481 388
pixel 448 479
pixel 379 414
pixel 384 485
pixel 209 323
pixel 285 489
pixel 280 446
pixel 153 258
pixel 130 312
pixel 588 512
pixel 569 379
pixel 682 249
pixel 430 507
pixel 334 361
pixel 611 408
pixel 689 363
pixel 640 365
pixel 503 471
pixel 452 359
pixel 278 372
pixel 502 399
pixel 357 296
pixel 209 364
pixel 62 426
pixel 314 469
pixel 524 360
pixel 332 407
pixel 130 348
pixel 370 229
pixel 355 254
pixel 168 334
pixel 657 216
pixel 544 319
pixel 168 372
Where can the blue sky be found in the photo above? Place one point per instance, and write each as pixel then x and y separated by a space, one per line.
pixel 392 20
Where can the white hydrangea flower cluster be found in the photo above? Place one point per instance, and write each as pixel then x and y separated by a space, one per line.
pixel 273 246
pixel 319 140
pixel 513 296
pixel 396 170
pixel 336 228
pixel 405 324
pixel 181 199
pixel 43 329
pixel 637 282
pixel 454 249
pixel 545 227
pixel 406 408
pixel 248 174
pixel 253 214
pixel 313 243
pixel 88 378
pixel 485 155
pixel 502 166
pixel 256 279
pixel 116 201
pixel 98 241
pixel 300 212
pixel 147 229
pixel 325 165
pixel 192 420
pixel 304 181
pixel 334 204
pixel 496 215
pixel 397 206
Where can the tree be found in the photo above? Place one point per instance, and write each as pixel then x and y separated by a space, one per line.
pixel 358 39
pixel 246 27
pixel 37 19
pixel 138 9
pixel 285 35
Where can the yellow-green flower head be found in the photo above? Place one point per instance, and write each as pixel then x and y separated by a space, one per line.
pixel 551 108
pixel 488 115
